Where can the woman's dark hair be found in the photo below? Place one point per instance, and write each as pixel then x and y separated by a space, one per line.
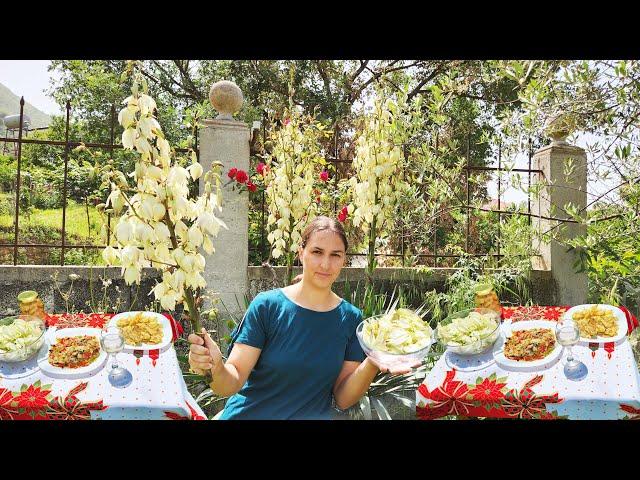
pixel 320 223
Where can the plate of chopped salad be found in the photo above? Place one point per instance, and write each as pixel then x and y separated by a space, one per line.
pixel 74 352
pixel 530 343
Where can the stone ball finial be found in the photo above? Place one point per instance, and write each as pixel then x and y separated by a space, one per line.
pixel 226 97
pixel 559 126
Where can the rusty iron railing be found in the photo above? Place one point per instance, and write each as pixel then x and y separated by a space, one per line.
pixel 68 145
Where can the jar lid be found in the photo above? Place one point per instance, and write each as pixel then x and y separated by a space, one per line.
pixel 483 288
pixel 27 296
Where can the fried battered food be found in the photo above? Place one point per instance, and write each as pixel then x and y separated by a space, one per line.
pixel 74 352
pixel 528 345
pixel 595 321
pixel 140 328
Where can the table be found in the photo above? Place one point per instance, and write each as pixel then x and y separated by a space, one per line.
pixel 158 390
pixel 479 387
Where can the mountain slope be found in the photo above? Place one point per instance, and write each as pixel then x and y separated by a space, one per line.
pixel 10 105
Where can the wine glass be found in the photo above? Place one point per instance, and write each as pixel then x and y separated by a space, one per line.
pixel 568 334
pixel 113 342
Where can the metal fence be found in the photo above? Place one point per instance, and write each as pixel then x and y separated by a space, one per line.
pixel 435 255
pixel 68 145
pixel 262 249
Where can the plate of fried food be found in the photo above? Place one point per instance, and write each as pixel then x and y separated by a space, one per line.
pixel 526 344
pixel 73 352
pixel 143 330
pixel 599 323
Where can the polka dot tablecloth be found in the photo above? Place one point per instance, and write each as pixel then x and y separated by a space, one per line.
pixel 479 387
pixel 157 391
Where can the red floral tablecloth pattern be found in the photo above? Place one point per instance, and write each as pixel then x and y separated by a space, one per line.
pixel 35 402
pixel 491 396
pixel 34 399
pixel 487 397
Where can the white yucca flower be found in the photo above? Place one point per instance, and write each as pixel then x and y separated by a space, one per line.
pixel 145 235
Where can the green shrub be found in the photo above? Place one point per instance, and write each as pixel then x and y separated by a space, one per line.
pixel 8 171
pixel 6 204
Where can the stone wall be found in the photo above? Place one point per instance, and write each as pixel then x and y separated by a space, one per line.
pixel 54 282
pixel 90 284
pixel 543 289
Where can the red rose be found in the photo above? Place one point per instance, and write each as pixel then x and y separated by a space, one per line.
pixel 241 176
pixel 342 216
pixel 251 186
pixel 232 173
pixel 260 168
pixel 324 175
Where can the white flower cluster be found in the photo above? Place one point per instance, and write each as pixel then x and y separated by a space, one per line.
pixel 290 181
pixel 161 227
pixel 378 163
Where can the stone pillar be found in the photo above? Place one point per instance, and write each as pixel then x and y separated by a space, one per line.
pixel 227 141
pixel 559 190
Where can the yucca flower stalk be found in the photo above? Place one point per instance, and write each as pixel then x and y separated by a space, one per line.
pixel 161 227
pixel 293 173
pixel 378 182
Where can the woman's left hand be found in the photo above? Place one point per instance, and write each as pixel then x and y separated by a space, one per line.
pixel 394 370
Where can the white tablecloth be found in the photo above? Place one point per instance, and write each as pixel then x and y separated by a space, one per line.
pixel 157 391
pixel 479 387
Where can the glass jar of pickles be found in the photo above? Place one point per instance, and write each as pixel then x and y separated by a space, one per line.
pixel 486 297
pixel 31 304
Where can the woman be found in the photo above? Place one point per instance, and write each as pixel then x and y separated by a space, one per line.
pixel 296 347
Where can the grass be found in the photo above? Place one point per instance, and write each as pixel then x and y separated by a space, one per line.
pixel 76 220
pixel 45 226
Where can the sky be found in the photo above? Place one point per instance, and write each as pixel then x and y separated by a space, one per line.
pixel 29 78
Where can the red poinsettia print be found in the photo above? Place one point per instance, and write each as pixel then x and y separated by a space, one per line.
pixel 451 398
pixel 98 320
pixel 194 414
pixel 524 403
pixel 71 407
pixel 507 312
pixel 634 413
pixel 489 390
pixel 7 408
pixel 34 397
pixel 175 416
pixel 486 398
pixel 534 312
pixel 552 314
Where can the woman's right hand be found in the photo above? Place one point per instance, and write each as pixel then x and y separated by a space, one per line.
pixel 203 354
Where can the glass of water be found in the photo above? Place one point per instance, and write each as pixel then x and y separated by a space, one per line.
pixel 113 342
pixel 568 335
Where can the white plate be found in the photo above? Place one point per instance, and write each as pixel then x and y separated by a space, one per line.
pixel 469 363
pixel 620 318
pixel 167 333
pixel 93 367
pixel 498 349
